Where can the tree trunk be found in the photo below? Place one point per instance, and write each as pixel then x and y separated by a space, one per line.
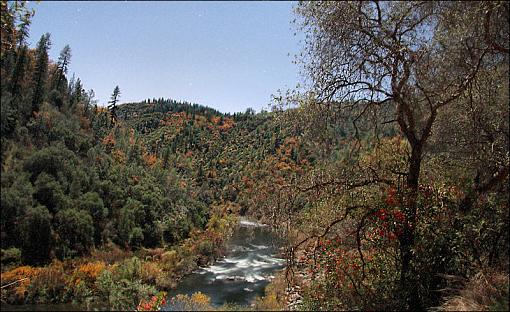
pixel 407 239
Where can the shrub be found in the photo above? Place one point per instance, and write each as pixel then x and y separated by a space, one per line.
pixel 154 304
pixel 125 295
pixel 153 253
pixel 170 259
pixel 150 271
pixel 486 291
pixel 121 288
pixel 206 248
pixel 89 272
pixel 49 285
pixel 197 302
pixel 21 278
pixel 82 293
pixel 103 285
pixel 11 256
pixel 129 269
pixel 166 281
pixel 273 295
pixel 110 254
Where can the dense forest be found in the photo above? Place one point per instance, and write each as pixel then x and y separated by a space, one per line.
pixel 387 177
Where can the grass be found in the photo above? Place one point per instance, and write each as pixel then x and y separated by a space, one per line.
pixel 486 291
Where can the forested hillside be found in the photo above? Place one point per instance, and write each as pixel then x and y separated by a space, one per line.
pixel 387 178
pixel 91 185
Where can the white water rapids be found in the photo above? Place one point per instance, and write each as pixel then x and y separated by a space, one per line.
pixel 243 274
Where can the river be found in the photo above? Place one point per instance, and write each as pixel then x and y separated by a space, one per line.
pixel 241 276
pixel 238 278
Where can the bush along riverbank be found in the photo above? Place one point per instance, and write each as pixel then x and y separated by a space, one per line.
pixel 274 299
pixel 118 279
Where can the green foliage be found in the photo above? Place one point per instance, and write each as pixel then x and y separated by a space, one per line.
pixel 136 237
pixel 104 284
pixel 75 232
pixel 56 161
pixel 11 256
pixel 78 178
pixel 8 117
pixel 49 193
pixel 16 198
pixel 41 72
pixel 124 289
pixel 206 248
pixel 36 235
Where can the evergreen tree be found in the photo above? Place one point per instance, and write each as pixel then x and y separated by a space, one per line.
pixel 23 29
pixel 76 93
pixel 113 104
pixel 41 72
pixel 62 66
pixel 89 100
pixel 18 73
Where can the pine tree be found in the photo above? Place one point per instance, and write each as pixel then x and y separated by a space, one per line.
pixel 62 66
pixel 23 29
pixel 76 93
pixel 113 104
pixel 89 100
pixel 41 71
pixel 18 73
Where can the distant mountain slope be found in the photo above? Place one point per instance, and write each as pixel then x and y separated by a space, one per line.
pixel 214 151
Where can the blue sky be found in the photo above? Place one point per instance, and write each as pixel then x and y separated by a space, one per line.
pixel 226 55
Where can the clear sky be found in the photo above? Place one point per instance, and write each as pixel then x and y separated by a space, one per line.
pixel 226 55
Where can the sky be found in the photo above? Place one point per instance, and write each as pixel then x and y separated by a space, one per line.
pixel 225 55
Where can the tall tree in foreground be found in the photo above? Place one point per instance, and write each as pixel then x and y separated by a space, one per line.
pixel 413 64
